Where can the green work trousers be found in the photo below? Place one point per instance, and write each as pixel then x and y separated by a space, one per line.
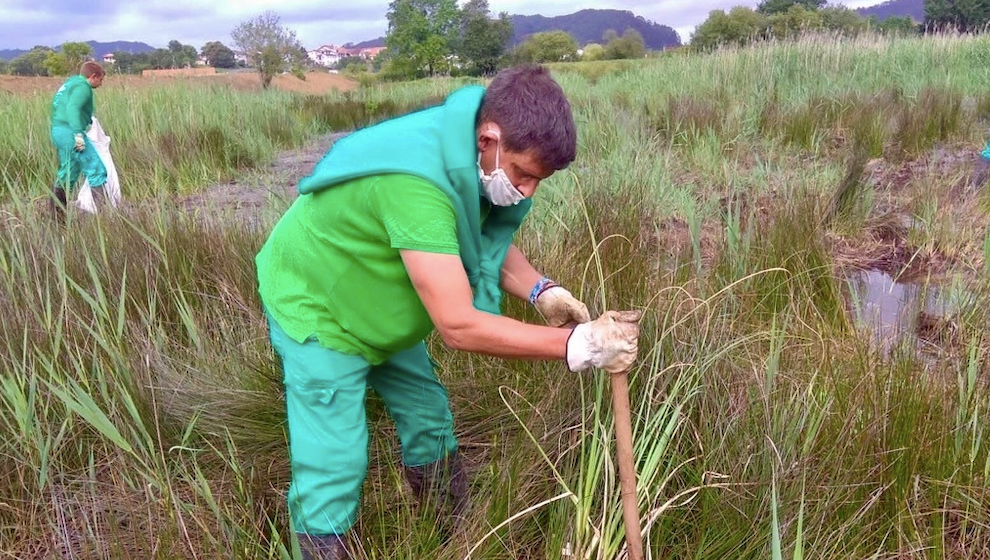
pixel 328 428
pixel 72 163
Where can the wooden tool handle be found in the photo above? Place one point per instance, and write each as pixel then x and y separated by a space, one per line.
pixel 627 465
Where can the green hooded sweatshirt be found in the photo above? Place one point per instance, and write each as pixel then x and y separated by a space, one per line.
pixel 440 146
pixel 72 106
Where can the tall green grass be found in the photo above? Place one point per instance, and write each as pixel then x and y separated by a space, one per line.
pixel 143 404
pixel 181 137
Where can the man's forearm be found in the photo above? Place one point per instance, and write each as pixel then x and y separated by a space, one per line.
pixel 518 275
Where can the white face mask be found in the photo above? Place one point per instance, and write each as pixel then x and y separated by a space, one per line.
pixel 499 190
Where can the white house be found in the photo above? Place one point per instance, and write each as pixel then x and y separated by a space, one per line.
pixel 327 55
pixel 109 59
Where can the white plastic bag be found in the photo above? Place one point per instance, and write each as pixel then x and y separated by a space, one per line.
pixel 111 189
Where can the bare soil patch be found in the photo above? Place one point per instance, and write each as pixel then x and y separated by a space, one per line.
pixel 250 198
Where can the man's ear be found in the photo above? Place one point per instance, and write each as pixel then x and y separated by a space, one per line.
pixel 488 135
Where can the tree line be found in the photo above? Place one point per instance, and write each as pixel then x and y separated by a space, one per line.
pixel 435 37
pixel 782 19
pixel 46 61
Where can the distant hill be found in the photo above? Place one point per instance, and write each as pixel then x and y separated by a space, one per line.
pixel 379 42
pixel 913 8
pixel 99 49
pixel 588 26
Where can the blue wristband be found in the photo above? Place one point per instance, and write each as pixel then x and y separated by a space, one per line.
pixel 542 285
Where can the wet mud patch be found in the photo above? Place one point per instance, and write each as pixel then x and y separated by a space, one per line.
pixel 884 246
pixel 952 164
pixel 896 240
pixel 908 270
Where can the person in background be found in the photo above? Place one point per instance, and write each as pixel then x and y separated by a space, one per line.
pixel 72 114
pixel 402 228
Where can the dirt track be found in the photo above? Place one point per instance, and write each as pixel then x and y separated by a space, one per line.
pixel 253 197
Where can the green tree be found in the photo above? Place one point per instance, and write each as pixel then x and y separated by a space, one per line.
pixel 181 56
pixel 843 20
pixel 629 45
pixel 768 7
pixel 56 65
pixel 483 41
pixel 547 46
pixel 346 61
pixel 31 63
pixel 127 63
pixel 160 58
pixel 894 25
pixel 68 60
pixel 420 36
pixel 218 55
pixel 4 67
pixel 592 52
pixel 75 54
pixel 738 27
pixel 269 46
pixel 795 21
pixel 302 60
pixel 961 15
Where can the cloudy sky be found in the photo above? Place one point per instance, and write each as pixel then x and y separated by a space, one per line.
pixel 25 23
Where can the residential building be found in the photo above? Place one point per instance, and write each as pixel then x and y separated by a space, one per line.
pixel 371 52
pixel 327 55
pixel 330 55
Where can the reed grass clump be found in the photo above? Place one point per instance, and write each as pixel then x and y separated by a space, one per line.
pixel 348 113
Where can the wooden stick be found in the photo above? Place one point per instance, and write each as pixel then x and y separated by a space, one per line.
pixel 627 465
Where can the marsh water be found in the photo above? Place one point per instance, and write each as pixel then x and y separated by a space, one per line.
pixel 894 312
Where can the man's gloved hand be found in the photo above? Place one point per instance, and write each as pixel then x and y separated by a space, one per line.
pixel 80 143
pixel 559 307
pixel 610 342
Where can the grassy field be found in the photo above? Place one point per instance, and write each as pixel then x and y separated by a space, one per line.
pixel 727 195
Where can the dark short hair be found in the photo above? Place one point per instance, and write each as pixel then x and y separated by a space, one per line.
pixel 533 113
pixel 91 68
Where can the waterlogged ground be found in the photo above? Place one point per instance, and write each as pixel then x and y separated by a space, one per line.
pixel 911 199
pixel 894 252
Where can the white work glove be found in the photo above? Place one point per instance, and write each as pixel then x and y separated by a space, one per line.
pixel 558 307
pixel 80 143
pixel 609 342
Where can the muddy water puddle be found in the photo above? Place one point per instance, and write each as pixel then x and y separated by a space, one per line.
pixel 896 313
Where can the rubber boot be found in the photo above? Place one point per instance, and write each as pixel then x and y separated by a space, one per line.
pixel 323 547
pixel 442 486
pixel 57 204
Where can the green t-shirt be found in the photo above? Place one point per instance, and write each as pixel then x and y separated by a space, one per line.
pixel 331 267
